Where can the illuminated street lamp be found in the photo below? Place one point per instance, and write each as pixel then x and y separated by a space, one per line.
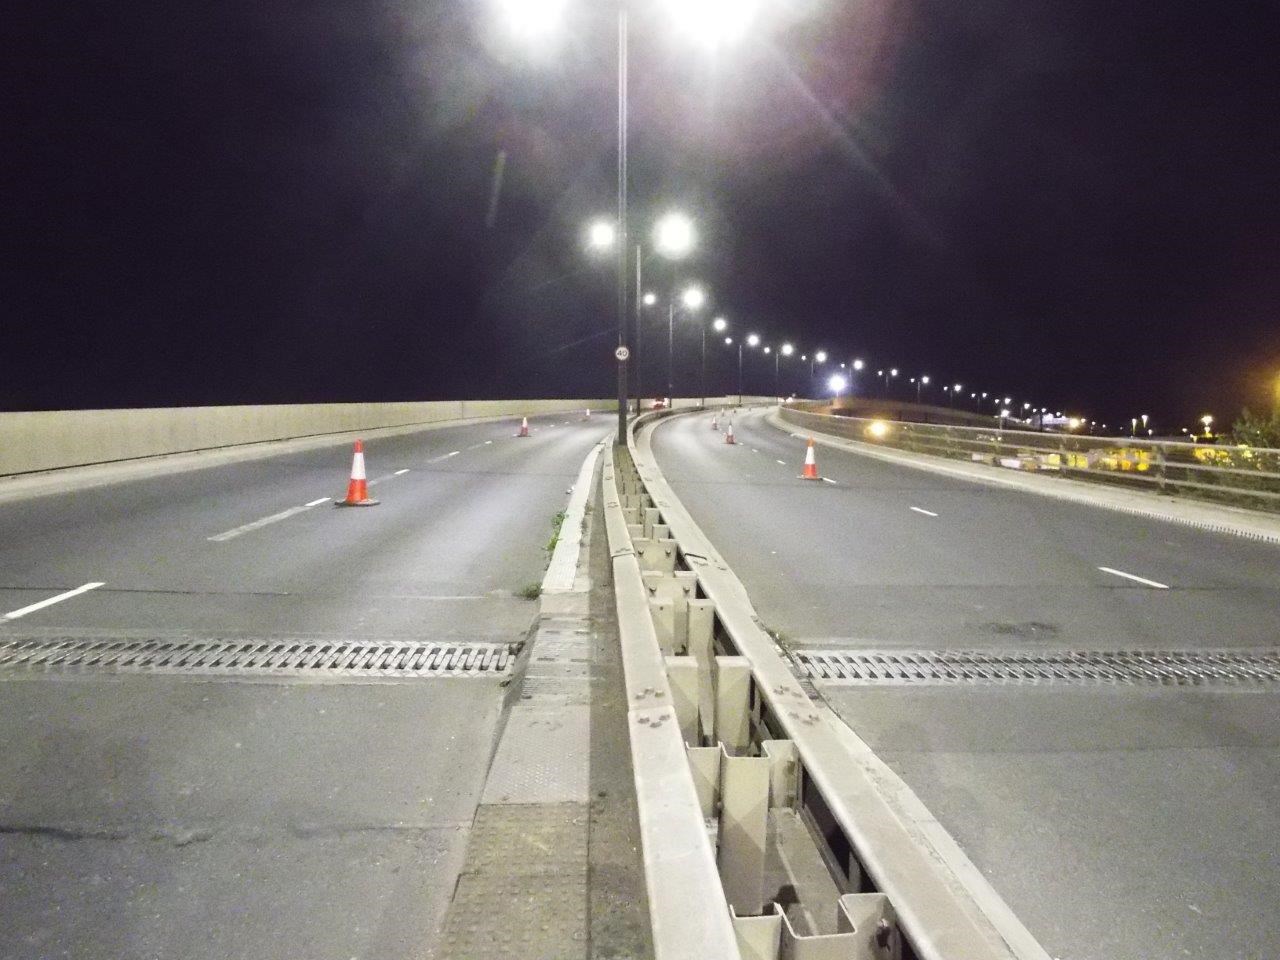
pixel 784 351
pixel 836 384
pixel 649 299
pixel 692 299
pixel 752 341
pixel 718 324
pixel 922 382
pixel 674 236
pixel 1207 420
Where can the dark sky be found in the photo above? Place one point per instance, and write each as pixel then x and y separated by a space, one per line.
pixel 236 202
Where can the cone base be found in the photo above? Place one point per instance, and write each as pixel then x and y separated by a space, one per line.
pixel 356 503
pixel 805 476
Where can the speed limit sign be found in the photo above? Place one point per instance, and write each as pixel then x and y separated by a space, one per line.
pixel 622 353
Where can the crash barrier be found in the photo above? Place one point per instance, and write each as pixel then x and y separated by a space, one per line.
pixel 728 746
pixel 1232 474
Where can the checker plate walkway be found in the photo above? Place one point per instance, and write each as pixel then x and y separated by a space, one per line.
pixel 1138 668
pixel 239 658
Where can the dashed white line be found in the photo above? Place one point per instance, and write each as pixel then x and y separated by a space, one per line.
pixel 316 503
pixel 783 462
pixel 487 442
pixel 258 524
pixel 23 611
pixel 827 480
pixel 1135 577
pixel 452 453
pixel 398 473
pixel 754 450
pixel 927 513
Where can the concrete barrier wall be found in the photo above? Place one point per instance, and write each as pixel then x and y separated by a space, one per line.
pixel 51 440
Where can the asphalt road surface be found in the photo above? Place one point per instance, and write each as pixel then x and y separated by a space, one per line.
pixel 1119 822
pixel 155 816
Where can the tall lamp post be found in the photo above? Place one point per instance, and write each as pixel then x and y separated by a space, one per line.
pixel 691 299
pixel 785 351
pixel 752 341
pixel 718 324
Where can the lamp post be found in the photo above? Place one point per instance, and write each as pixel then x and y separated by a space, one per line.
pixel 820 357
pixel 920 383
pixel 752 341
pixel 691 299
pixel 785 351
pixel 718 324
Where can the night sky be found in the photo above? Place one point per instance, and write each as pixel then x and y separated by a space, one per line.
pixel 245 202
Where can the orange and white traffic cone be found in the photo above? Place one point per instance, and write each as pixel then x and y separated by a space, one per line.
pixel 810 464
pixel 524 427
pixel 358 487
pixel 715 422
pixel 728 437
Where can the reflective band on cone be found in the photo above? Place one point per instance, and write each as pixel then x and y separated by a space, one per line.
pixel 810 463
pixel 728 437
pixel 358 486
pixel 524 427
pixel 715 423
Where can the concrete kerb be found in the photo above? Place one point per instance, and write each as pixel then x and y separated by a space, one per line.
pixel 1234 521
pixel 563 576
pixel 943 906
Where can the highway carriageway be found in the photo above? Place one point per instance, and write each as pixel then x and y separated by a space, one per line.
pixel 1122 806
pixel 209 805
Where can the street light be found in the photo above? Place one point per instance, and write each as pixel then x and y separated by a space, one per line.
pixel 752 341
pixel 836 384
pixel 713 22
pixel 819 357
pixel 674 236
pixel 692 299
pixel 600 235
pixel 786 351
pixel 649 299
pixel 921 383
pixel 718 324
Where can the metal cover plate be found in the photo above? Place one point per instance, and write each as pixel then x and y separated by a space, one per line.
pixel 523 891
pixel 1131 667
pixel 223 657
pixel 543 756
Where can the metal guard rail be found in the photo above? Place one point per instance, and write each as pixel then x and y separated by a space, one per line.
pixel 939 917
pixel 1235 475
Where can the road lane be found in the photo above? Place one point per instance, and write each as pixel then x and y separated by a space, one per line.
pixel 162 815
pixel 1125 822
pixel 994 565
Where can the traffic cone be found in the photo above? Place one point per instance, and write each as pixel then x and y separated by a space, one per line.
pixel 728 437
pixel 524 427
pixel 715 422
pixel 358 487
pixel 810 464
pixel 588 413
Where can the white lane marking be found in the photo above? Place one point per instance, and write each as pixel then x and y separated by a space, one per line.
pixel 827 480
pixel 487 442
pixel 1131 576
pixel 452 453
pixel 783 462
pixel 316 503
pixel 398 473
pixel 927 513
pixel 23 611
pixel 754 450
pixel 258 524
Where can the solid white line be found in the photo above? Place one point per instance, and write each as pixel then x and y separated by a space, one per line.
pixel 827 480
pixel 23 611
pixel 927 513
pixel 1130 576
pixel 316 503
pixel 398 473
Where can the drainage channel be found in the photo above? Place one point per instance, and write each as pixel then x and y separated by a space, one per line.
pixel 1126 667
pixel 241 658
